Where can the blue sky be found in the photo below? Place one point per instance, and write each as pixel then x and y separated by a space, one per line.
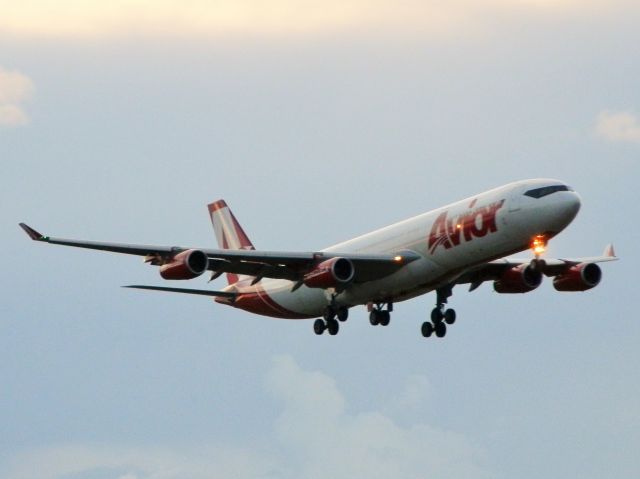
pixel 315 124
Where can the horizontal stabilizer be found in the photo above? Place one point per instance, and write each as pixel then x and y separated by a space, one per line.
pixel 202 292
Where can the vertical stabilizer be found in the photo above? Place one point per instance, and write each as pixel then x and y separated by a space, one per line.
pixel 229 233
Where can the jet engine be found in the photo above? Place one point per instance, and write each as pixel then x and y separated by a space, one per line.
pixel 520 279
pixel 186 265
pixel 580 277
pixel 331 273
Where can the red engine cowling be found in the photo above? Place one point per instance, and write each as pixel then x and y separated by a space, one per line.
pixel 520 279
pixel 330 274
pixel 580 277
pixel 186 265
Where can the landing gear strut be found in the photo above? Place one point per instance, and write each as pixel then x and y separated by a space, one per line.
pixel 380 316
pixel 440 316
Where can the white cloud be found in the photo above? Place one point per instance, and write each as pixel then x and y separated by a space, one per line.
pixel 15 90
pixel 328 441
pixel 314 437
pixel 416 391
pixel 618 126
pixel 121 462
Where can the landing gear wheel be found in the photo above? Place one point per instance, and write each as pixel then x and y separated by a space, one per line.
pixel 343 314
pixel 427 329
pixel 378 314
pixel 441 329
pixel 318 326
pixel 450 316
pixel 436 315
pixel 329 314
pixel 333 327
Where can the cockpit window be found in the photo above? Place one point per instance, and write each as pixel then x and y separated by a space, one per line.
pixel 546 190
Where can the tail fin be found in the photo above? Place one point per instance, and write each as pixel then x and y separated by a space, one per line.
pixel 229 233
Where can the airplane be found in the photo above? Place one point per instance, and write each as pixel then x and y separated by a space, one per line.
pixel 466 242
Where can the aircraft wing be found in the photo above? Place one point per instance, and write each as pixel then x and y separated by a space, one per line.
pixel 262 264
pixel 550 267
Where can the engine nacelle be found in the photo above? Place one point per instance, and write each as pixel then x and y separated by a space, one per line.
pixel 331 273
pixel 186 265
pixel 580 277
pixel 520 279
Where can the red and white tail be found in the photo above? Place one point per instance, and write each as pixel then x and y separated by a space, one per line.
pixel 229 233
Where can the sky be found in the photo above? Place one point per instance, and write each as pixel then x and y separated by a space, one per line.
pixel 316 122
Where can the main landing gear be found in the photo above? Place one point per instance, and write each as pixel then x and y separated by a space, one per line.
pixel 380 316
pixel 329 321
pixel 440 316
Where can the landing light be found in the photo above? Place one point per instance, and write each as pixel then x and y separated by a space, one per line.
pixel 397 258
pixel 539 244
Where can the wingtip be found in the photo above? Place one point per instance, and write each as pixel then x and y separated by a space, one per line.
pixel 33 234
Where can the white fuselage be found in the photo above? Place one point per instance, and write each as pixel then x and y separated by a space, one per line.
pixel 450 240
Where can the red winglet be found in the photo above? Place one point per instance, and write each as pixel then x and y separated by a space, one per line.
pixel 33 234
pixel 609 252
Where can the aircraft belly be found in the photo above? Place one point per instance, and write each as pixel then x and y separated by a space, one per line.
pixel 410 281
pixel 303 303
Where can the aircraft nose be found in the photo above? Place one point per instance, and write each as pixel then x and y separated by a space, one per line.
pixel 569 207
pixel 574 203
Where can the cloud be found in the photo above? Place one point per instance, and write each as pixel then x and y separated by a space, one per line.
pixel 315 436
pixel 120 462
pixel 328 441
pixel 618 126
pixel 15 89
pixel 215 17
pixel 416 391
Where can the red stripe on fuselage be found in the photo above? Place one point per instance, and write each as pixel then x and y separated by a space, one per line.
pixel 256 300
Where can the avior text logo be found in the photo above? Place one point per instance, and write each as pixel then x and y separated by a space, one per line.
pixel 449 232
